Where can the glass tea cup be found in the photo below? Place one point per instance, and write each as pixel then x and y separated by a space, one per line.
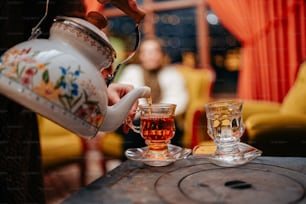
pixel 157 128
pixel 225 127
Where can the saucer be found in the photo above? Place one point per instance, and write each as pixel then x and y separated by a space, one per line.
pixel 247 153
pixel 175 153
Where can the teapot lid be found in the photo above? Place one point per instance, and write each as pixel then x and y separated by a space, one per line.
pixel 88 28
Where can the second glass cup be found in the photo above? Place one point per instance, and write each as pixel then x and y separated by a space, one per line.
pixel 157 127
pixel 225 126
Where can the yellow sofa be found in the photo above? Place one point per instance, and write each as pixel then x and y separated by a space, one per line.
pixel 60 147
pixel 279 129
pixel 199 83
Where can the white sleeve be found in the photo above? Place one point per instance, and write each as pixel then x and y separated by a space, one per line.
pixel 131 74
pixel 174 89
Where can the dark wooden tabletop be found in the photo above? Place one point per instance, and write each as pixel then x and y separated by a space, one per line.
pixel 264 180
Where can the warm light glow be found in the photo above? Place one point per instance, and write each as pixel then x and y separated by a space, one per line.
pixel 92 5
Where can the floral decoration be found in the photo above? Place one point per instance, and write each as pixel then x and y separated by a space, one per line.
pixel 68 90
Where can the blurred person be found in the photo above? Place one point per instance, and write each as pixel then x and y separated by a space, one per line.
pixel 166 82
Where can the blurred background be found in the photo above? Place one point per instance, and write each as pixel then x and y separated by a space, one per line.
pixel 254 49
pixel 192 34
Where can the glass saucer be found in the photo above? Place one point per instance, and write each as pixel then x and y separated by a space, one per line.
pixel 175 153
pixel 247 153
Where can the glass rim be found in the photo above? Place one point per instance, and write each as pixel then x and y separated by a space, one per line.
pixel 226 101
pixel 158 105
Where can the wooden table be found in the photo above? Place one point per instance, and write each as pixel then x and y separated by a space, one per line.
pixel 264 180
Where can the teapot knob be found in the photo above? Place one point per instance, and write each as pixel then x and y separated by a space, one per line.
pixel 97 19
pixel 129 7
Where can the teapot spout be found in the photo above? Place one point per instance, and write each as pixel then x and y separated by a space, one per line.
pixel 118 112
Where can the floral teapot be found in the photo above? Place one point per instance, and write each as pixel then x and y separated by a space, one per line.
pixel 60 78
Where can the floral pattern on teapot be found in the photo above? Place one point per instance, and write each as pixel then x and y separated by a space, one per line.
pixel 21 66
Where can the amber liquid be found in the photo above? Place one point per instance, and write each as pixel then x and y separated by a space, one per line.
pixel 149 101
pixel 157 131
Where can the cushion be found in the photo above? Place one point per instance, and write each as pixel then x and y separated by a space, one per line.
pixel 58 145
pixel 111 144
pixel 294 102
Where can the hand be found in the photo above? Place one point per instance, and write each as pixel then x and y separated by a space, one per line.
pixel 115 92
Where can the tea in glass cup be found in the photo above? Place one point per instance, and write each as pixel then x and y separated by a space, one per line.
pixel 157 127
pixel 225 126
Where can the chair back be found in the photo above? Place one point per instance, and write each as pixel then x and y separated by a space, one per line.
pixel 294 102
pixel 199 84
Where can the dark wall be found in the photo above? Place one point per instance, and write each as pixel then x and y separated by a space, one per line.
pixel 17 18
pixel 20 164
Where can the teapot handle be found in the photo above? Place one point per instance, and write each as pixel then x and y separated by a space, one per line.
pixel 129 7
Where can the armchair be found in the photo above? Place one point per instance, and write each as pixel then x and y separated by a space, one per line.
pixel 199 83
pixel 60 147
pixel 279 129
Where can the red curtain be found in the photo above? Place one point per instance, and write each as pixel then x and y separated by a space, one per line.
pixel 273 37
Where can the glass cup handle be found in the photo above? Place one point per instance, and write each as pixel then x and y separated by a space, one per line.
pixel 129 122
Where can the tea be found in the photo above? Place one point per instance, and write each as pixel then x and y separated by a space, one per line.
pixel 157 127
pixel 150 101
pixel 157 131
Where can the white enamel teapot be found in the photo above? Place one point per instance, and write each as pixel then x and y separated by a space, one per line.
pixel 60 77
